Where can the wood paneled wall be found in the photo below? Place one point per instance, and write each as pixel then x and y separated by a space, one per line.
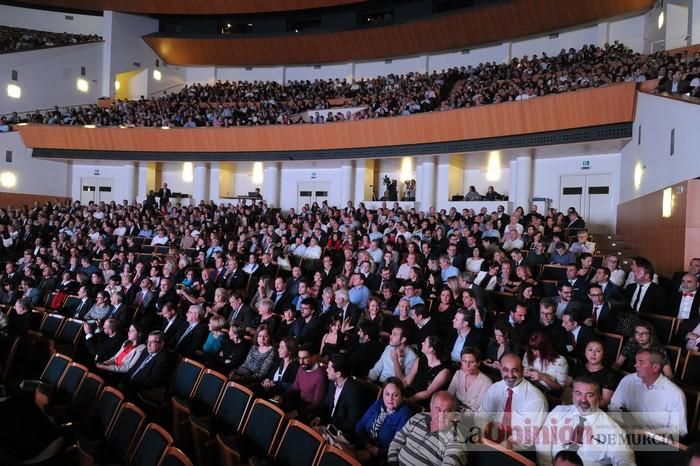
pixel 503 21
pixel 670 242
pixel 189 7
pixel 15 200
pixel 580 109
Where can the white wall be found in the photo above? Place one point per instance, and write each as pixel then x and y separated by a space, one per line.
pixel 310 73
pixel 535 46
pixel 676 26
pixel 124 47
pixel 200 74
pixel 34 176
pixel 118 175
pixel 629 31
pixel 658 116
pixel 477 178
pixel 269 73
pixel 397 66
pixel 48 77
pixel 499 53
pixel 52 21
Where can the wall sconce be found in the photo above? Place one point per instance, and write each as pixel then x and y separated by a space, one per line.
pixel 187 172
pixel 8 180
pixel 667 203
pixel 493 169
pixel 117 85
pixel 157 75
pixel 14 91
pixel 661 20
pixel 638 170
pixel 257 173
pixel 82 85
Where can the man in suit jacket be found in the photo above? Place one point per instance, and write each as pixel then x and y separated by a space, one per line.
pixel 152 369
pixel 602 278
pixel 577 336
pixel 685 304
pixel 346 310
pixel 598 314
pixel 103 345
pixel 343 410
pixel 234 277
pixel 645 296
pixel 281 298
pixel 81 307
pixel 192 337
pixel 693 268
pixel 172 326
pixel 464 335
pixel 240 313
pixel 578 285
pixel 425 325
pixel 164 195
pixel 676 85
pixel 120 311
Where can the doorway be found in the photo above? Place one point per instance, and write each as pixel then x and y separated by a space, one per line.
pixel 308 193
pixel 96 190
pixel 590 196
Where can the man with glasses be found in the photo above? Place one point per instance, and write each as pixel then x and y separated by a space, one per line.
pixel 598 314
pixel 617 275
pixel 583 428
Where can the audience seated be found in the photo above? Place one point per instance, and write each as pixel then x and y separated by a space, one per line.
pixel 14 39
pixel 214 321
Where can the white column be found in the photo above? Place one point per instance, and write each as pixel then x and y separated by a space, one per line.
pixel 271 184
pixel 129 182
pixel 513 182
pixel 694 22
pixel 425 185
pixel 142 185
pixel 214 181
pixel 523 188
pixel 442 183
pixel 347 182
pixel 200 183
pixel 361 185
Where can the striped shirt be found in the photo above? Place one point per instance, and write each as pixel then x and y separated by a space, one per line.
pixel 415 445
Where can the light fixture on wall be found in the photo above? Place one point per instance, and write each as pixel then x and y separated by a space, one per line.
pixel 661 20
pixel 82 84
pixel 638 170
pixel 257 173
pixel 667 203
pixel 493 168
pixel 8 180
pixel 14 91
pixel 406 169
pixel 117 85
pixel 157 75
pixel 187 172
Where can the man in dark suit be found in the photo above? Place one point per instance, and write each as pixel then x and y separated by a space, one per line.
pixel 578 285
pixel 308 329
pixel 346 310
pixel 164 195
pixel 547 322
pixel 81 307
pixel 598 314
pixel 367 350
pixel 328 272
pixel 192 337
pixel 234 277
pixel 342 410
pixel 693 268
pixel 120 311
pixel 281 298
pixel 240 313
pixel 685 304
pixel 105 344
pixel 172 326
pixel 464 335
pixel 573 344
pixel 266 268
pixel 645 296
pixel 152 369
pixel 425 325
pixel 602 278
pixel 455 259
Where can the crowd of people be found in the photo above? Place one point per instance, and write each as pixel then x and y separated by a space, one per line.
pixel 14 39
pixel 308 307
pixel 241 103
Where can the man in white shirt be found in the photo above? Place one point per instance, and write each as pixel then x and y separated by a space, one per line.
pixel 396 352
pixel 585 429
pixel 653 402
pixel 617 275
pixel 313 250
pixel 512 410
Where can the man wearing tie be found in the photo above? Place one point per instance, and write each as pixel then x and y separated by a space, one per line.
pixel 195 334
pixel 645 296
pixel 600 316
pixel 508 404
pixel 83 306
pixel 153 367
pixel 241 313
pixel 576 336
